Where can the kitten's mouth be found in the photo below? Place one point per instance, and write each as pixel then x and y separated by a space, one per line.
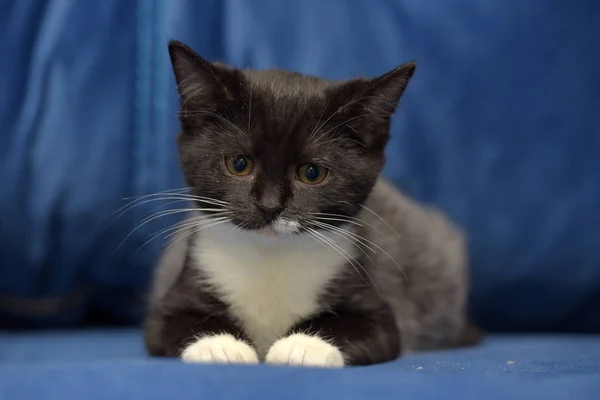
pixel 269 231
pixel 279 227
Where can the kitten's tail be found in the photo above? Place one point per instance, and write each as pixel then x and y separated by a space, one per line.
pixel 470 336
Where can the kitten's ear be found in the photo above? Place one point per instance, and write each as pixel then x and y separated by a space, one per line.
pixel 200 83
pixel 383 93
pixel 370 103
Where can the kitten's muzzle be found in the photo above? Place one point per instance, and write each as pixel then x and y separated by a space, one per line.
pixel 269 213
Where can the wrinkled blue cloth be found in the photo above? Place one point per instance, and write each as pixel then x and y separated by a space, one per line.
pixel 112 364
pixel 500 127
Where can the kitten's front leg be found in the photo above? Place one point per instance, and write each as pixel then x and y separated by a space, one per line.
pixel 188 321
pixel 197 337
pixel 337 339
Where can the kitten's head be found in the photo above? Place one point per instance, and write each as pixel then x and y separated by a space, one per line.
pixel 278 149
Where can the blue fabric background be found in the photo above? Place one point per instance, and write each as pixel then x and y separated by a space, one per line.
pixel 500 127
pixel 105 364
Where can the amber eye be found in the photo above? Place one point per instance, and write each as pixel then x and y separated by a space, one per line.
pixel 311 173
pixel 239 165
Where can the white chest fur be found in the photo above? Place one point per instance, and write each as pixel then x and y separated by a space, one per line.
pixel 269 283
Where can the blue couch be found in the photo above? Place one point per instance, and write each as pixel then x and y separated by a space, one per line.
pixel 500 128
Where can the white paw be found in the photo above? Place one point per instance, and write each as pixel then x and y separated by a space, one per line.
pixel 221 349
pixel 305 350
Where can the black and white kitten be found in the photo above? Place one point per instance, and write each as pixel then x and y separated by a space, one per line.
pixel 299 252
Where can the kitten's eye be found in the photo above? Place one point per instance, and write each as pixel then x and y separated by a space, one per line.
pixel 312 174
pixel 239 165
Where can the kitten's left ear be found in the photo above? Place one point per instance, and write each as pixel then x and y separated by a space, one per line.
pixel 370 103
pixel 383 93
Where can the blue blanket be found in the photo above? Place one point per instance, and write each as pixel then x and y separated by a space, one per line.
pixel 113 365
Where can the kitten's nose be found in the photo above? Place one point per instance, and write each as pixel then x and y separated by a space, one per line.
pixel 270 212
pixel 269 202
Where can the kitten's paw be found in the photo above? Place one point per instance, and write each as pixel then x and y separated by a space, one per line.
pixel 305 350
pixel 220 349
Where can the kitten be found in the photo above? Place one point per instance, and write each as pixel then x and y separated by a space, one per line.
pixel 299 253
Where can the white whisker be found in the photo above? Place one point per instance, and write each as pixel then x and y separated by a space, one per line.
pixel 163 196
pixel 343 253
pixel 138 199
pixel 157 193
pixel 194 231
pixel 180 226
pixel 338 219
pixel 324 134
pixel 335 113
pixel 362 238
pixel 165 213
pixel 318 124
pixel 250 109
pixel 175 199
pixel 217 116
pixel 345 218
pixel 160 215
pixel 191 222
pixel 173 193
pixel 155 209
pixel 381 219
pixel 197 224
pixel 344 232
pixel 353 241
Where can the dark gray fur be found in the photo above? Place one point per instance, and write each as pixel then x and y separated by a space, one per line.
pixel 413 294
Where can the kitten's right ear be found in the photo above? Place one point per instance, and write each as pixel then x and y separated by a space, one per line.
pixel 197 79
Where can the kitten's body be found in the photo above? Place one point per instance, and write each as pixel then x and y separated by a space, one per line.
pixel 272 283
pixel 373 276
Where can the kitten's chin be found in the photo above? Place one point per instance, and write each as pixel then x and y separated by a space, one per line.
pixel 280 227
pixel 269 232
